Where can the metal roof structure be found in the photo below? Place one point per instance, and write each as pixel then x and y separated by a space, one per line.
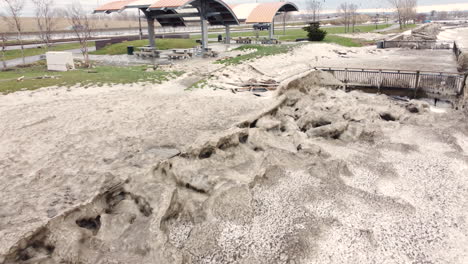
pixel 225 14
pixel 172 12
pixel 262 12
pixel 111 7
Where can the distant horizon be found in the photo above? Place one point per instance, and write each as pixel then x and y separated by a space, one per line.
pixel 421 9
pixel 330 6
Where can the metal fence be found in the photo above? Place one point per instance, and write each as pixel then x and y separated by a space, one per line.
pixel 449 84
pixel 428 44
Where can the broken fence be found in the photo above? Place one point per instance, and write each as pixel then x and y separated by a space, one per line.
pixel 440 83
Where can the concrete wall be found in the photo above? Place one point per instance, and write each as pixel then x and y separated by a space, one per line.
pixel 463 61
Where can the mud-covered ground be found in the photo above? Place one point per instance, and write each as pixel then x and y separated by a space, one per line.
pixel 58 147
pixel 157 174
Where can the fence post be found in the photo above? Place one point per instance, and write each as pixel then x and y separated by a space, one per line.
pixel 346 80
pixel 455 49
pixel 379 85
pixel 416 85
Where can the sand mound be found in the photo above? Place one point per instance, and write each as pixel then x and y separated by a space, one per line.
pixel 319 176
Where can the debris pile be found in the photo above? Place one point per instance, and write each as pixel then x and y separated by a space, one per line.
pixel 253 85
pixel 426 32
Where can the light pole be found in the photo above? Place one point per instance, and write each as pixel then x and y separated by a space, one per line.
pixel 139 23
pixel 377 21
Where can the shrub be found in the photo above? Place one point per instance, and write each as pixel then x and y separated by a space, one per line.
pixel 314 33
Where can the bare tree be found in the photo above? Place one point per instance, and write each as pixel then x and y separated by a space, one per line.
pixel 353 15
pixel 442 15
pixel 14 8
pixel 344 10
pixel 81 26
pixel 456 13
pixel 45 19
pixel 315 7
pixel 398 6
pixel 286 16
pixel 405 9
pixel 410 12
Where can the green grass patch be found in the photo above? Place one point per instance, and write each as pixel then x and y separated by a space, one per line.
pixel 85 77
pixel 198 85
pixel 15 54
pixel 357 29
pixel 343 41
pixel 293 34
pixel 161 44
pixel 258 52
pixel 347 42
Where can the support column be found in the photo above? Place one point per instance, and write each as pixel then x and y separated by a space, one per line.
pixel 271 30
pixel 204 28
pixel 152 41
pixel 228 34
pixel 284 22
pixel 204 24
pixel 273 27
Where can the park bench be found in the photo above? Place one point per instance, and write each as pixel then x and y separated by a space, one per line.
pixel 180 54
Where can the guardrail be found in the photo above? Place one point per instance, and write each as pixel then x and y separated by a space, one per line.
pixel 428 44
pixel 435 83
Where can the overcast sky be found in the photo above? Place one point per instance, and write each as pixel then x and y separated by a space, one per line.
pixel 328 4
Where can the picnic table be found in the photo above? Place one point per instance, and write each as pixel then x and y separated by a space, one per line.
pixel 208 52
pixel 148 52
pixel 242 40
pixel 269 41
pixel 180 54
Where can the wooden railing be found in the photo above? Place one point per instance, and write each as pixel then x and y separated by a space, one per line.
pixel 438 83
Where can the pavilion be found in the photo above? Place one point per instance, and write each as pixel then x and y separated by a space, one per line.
pixel 176 13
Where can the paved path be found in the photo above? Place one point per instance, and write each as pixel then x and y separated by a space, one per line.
pixel 34 46
pixel 392 27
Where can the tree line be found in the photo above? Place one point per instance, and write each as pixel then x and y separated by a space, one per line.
pixel 46 14
pixel 405 10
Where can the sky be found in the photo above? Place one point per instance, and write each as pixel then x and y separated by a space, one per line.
pixel 329 5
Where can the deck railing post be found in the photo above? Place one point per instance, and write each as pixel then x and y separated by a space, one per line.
pixel 346 80
pixel 380 81
pixel 416 84
pixel 455 49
